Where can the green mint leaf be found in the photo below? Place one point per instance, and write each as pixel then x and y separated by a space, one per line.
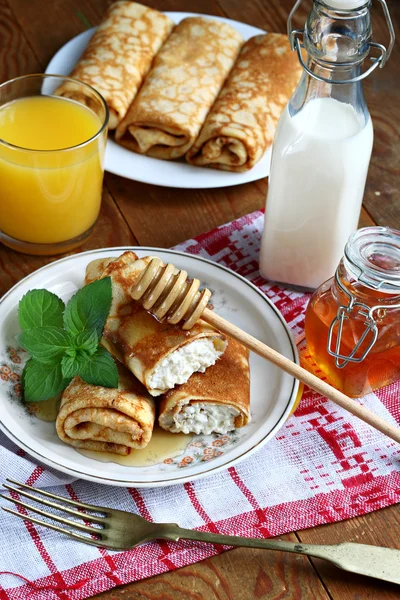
pixel 72 365
pixel 40 307
pixel 45 344
pixel 100 369
pixel 42 381
pixel 88 309
pixel 86 341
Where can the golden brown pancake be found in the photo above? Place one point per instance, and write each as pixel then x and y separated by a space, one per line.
pixel 119 55
pixel 159 354
pixel 187 74
pixel 225 385
pixel 106 419
pixel 241 124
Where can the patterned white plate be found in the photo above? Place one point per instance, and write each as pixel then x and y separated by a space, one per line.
pixel 273 392
pixel 122 162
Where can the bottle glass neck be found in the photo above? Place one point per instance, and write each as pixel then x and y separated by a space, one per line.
pixel 334 37
pixel 336 43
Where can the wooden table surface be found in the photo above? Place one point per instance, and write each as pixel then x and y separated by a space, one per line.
pixel 31 31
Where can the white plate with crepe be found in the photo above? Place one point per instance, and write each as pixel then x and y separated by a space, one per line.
pixel 185 458
pixel 134 166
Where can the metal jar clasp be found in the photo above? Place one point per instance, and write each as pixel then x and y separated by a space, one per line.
pixel 344 313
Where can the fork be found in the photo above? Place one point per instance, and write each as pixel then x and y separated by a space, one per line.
pixel 120 530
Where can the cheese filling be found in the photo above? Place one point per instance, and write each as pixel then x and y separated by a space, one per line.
pixel 202 417
pixel 178 366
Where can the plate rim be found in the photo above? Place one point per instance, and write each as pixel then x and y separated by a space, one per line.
pixel 164 482
pixel 207 184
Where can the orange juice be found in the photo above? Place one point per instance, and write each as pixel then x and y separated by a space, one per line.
pixel 51 170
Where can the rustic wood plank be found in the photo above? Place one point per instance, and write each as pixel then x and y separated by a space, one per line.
pixel 187 213
pixel 379 528
pixel 271 16
pixel 63 20
pixel 17 58
pixel 164 217
pixel 48 25
pixel 147 208
pixel 241 574
pixel 111 230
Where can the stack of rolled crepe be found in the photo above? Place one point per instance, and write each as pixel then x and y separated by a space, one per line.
pixel 105 419
pixel 119 55
pixel 119 420
pixel 187 74
pixel 160 355
pixel 241 124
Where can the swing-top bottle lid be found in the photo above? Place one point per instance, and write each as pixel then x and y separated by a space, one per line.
pixel 345 4
pixel 348 28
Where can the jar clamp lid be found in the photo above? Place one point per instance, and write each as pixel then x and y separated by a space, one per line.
pixel 372 257
pixel 344 9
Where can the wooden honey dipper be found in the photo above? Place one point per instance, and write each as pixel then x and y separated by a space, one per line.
pixel 166 292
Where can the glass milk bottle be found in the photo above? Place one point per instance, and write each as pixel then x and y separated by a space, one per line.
pixel 322 146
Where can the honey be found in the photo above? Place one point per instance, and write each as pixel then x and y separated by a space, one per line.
pixel 352 323
pixel 163 445
pixel 46 410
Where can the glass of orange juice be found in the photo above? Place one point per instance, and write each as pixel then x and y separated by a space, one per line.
pixel 51 162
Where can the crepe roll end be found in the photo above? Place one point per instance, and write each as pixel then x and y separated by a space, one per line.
pixel 204 418
pixel 216 401
pixel 222 150
pixel 106 419
pixel 178 366
pixel 151 139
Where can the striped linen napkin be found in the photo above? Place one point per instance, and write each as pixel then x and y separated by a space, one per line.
pixel 323 466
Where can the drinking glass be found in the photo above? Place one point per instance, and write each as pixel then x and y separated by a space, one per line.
pixel 53 133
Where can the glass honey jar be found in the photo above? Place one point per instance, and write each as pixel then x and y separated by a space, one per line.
pixel 352 324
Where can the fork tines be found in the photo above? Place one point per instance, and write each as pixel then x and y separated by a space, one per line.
pixel 96 535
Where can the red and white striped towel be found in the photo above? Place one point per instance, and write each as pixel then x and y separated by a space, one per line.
pixel 323 466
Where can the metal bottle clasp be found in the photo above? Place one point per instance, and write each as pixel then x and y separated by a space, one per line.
pixel 380 61
pixel 347 312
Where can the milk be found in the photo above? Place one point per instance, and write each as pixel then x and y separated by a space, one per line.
pixel 319 166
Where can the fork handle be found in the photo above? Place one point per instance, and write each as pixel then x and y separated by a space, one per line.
pixel 372 561
pixel 175 532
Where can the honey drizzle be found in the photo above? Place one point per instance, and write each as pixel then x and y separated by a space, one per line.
pixel 46 410
pixel 163 445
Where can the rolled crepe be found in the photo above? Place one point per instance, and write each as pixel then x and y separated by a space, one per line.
pixel 159 354
pixel 105 419
pixel 241 124
pixel 124 271
pixel 187 74
pixel 119 56
pixel 214 402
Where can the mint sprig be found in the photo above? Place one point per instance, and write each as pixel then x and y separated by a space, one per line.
pixel 40 307
pixel 42 381
pixel 64 341
pixel 89 308
pixel 46 344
